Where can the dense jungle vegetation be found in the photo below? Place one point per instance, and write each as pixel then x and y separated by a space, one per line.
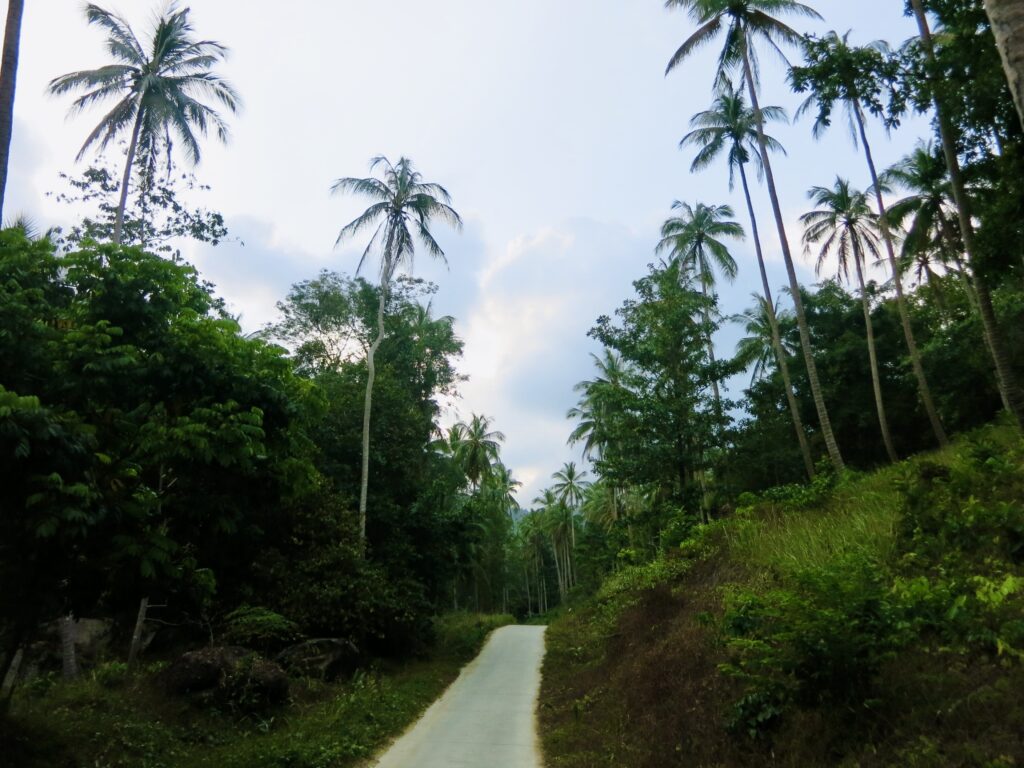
pixel 276 548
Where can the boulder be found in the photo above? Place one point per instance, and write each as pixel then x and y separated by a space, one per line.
pixel 325 658
pixel 228 673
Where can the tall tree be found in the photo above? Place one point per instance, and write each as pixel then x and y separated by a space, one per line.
pixel 1007 18
pixel 403 203
pixel 836 71
pixel 729 126
pixel 844 225
pixel 745 22
pixel 478 449
pixel 8 81
pixel 158 92
pixel 1009 388
pixel 694 245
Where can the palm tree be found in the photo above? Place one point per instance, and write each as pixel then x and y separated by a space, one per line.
pixel 569 488
pixel 501 487
pixel 730 126
pixel 745 22
pixel 158 93
pixel 8 81
pixel 837 71
pixel 1006 380
pixel 591 413
pixel 757 350
pixel 479 449
pixel 1007 19
pixel 401 200
pixel 693 243
pixel 844 225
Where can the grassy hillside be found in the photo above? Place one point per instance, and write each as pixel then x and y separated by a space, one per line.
pixel 110 719
pixel 871 620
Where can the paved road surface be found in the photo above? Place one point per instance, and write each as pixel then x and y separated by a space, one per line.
pixel 486 718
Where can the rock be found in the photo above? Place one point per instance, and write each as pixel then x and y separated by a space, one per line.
pixel 324 658
pixel 230 673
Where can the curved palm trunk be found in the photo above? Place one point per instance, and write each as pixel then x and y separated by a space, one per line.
pixel 1007 18
pixel 364 477
pixel 8 81
pixel 794 285
pixel 876 380
pixel 773 321
pixel 1009 390
pixel 924 391
pixel 133 146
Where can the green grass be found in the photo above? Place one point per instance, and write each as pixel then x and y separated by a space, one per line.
pixel 327 725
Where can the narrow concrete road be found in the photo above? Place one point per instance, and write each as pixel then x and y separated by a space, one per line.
pixel 486 718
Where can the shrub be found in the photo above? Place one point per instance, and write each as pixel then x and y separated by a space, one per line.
pixel 260 629
pixel 462 635
pixel 113 674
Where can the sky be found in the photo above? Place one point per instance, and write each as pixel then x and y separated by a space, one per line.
pixel 551 123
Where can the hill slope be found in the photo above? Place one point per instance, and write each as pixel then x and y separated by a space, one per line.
pixel 871 620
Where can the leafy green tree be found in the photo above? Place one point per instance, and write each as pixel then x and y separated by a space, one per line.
pixel 729 127
pixel 835 71
pixel 745 22
pixel 159 92
pixel 8 81
pixel 403 203
pixel 694 245
pixel 478 449
pixel 844 225
pixel 935 89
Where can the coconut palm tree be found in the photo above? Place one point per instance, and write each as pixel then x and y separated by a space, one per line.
pixel 744 23
pixel 757 350
pixel 8 81
pixel 501 488
pixel 402 204
pixel 478 451
pixel 1007 19
pixel 569 488
pixel 694 246
pixel 1009 388
pixel 844 225
pixel 594 426
pixel 159 90
pixel 729 127
pixel 836 71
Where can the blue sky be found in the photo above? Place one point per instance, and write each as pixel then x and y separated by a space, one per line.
pixel 550 121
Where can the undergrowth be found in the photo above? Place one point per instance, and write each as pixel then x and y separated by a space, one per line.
pixel 873 619
pixel 112 718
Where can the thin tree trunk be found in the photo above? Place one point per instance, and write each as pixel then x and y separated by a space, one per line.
pixel 1007 18
pixel 10 677
pixel 558 569
pixel 133 146
pixel 924 391
pixel 801 319
pixel 773 322
pixel 876 381
pixel 8 82
pixel 526 581
pixel 1009 390
pixel 140 622
pixel 364 479
pixel 711 350
pixel 69 661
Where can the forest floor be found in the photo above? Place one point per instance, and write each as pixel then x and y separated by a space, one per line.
pixel 105 720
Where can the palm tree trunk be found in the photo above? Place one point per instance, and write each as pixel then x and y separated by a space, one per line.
pixel 876 381
pixel 924 391
pixel 1007 18
pixel 773 321
pixel 558 569
pixel 8 81
pixel 126 178
pixel 794 285
pixel 364 477
pixel 1009 390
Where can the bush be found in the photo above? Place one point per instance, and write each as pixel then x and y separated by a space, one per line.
pixel 820 642
pixel 462 635
pixel 113 674
pixel 260 629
